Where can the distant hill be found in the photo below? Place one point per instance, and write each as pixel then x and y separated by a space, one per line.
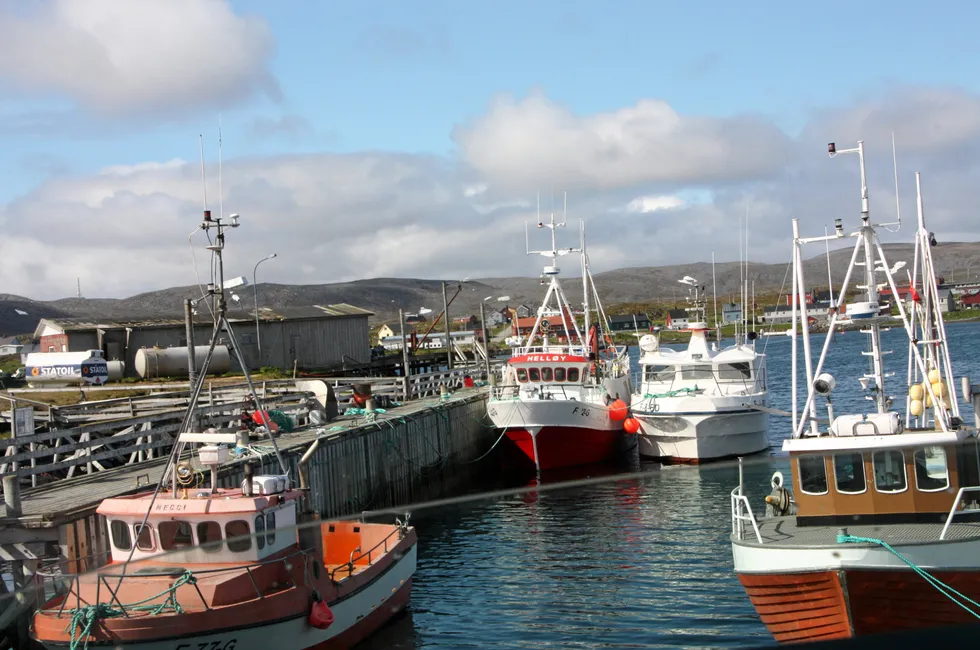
pixel 384 296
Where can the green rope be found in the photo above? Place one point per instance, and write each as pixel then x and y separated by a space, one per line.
pixel 940 586
pixel 84 618
pixel 671 393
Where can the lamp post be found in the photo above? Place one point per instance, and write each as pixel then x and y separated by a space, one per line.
pixel 255 296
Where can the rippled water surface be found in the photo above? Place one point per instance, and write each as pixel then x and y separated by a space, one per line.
pixel 644 562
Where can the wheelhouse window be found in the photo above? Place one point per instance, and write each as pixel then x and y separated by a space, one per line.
pixel 522 375
pixel 559 374
pixel 534 374
pixel 121 539
pixel 238 528
pixel 270 528
pixel 813 474
pixel 700 371
pixel 260 532
pixel 547 374
pixel 174 535
pixel 849 473
pixel 144 537
pixel 209 536
pixel 931 474
pixel 734 371
pixel 573 374
pixel 658 373
pixel 889 468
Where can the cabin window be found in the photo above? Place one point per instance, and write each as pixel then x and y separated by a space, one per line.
pixel 270 528
pixel 522 375
pixel 658 373
pixel 931 474
pixel 174 535
pixel 849 473
pixel 734 371
pixel 121 538
pixel 547 375
pixel 559 374
pixel 533 374
pixel 573 374
pixel 700 371
pixel 238 528
pixel 260 532
pixel 209 536
pixel 144 537
pixel 813 474
pixel 889 468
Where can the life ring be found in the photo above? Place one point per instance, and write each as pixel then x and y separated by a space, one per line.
pixel 777 480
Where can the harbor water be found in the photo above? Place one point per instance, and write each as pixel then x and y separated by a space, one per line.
pixel 619 563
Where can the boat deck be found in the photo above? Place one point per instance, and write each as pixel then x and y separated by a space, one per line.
pixel 784 532
pixel 46 505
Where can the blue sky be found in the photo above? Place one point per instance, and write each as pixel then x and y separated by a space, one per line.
pixel 388 77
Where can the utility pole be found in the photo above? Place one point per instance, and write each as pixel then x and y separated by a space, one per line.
pixel 449 340
pixel 405 366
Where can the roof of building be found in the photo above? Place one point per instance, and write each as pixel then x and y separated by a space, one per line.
pixel 341 310
pixel 677 313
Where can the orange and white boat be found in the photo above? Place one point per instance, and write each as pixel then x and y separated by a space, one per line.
pixel 198 567
pixel 880 531
pixel 563 398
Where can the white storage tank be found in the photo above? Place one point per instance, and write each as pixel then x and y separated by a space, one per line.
pixel 86 368
pixel 172 362
pixel 116 370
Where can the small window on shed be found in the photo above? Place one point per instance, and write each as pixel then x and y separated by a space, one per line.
pixel 849 473
pixel 174 535
pixel 533 374
pixel 238 528
pixel 889 468
pixel 573 374
pixel 931 474
pixel 260 532
pixel 813 474
pixel 547 375
pixel 121 538
pixel 270 528
pixel 559 374
pixel 144 537
pixel 522 375
pixel 209 536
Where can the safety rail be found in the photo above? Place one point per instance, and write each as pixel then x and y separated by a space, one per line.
pixel 349 567
pixel 104 578
pixel 741 505
pixel 953 512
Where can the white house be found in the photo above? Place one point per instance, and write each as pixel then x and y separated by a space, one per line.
pixel 731 312
pixel 9 346
pixel 677 319
pixel 495 319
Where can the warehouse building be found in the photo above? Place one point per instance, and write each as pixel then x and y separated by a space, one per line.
pixel 314 337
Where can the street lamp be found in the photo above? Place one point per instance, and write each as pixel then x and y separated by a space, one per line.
pixel 255 296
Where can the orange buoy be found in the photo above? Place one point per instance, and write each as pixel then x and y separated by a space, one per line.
pixel 618 410
pixel 321 616
pixel 631 425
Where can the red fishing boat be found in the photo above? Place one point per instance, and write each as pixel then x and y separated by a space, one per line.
pixel 564 394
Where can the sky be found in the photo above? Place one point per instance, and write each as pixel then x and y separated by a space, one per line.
pixel 383 139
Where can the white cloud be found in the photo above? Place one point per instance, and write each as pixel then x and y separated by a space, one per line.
pixel 535 143
pixel 647 204
pixel 126 57
pixel 336 217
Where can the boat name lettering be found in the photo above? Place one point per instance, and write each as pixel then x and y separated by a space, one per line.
pixel 220 644
pixel 547 357
pixel 170 507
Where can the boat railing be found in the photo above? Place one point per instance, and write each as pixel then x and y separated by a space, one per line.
pixel 741 513
pixel 180 576
pixel 577 350
pixel 953 512
pixel 381 548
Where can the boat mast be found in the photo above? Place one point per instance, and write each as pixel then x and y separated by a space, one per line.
pixel 585 289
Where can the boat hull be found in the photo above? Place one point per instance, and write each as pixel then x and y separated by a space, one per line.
pixel 356 617
pixel 811 606
pixel 699 437
pixel 561 446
